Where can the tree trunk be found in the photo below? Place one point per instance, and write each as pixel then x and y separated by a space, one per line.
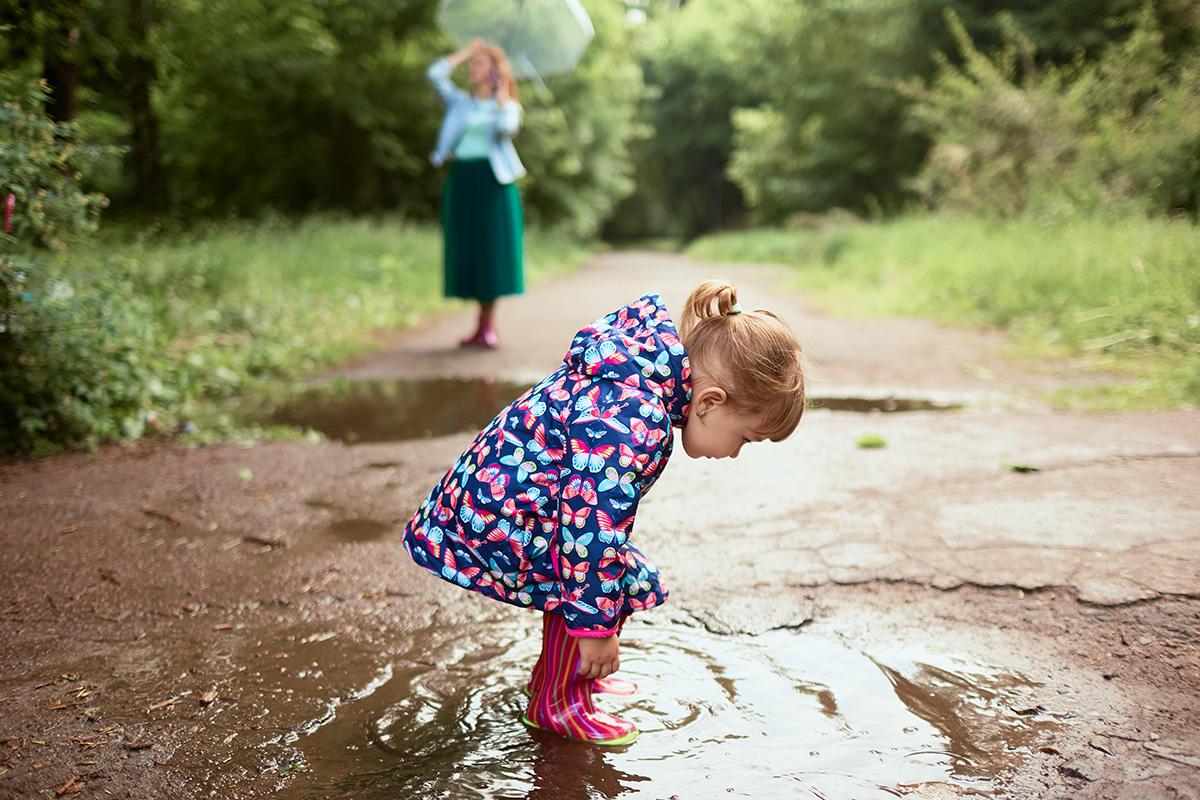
pixel 60 69
pixel 139 70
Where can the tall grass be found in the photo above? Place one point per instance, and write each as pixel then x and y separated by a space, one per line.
pixel 1115 296
pixel 222 308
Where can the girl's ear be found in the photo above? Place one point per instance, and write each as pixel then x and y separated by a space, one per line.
pixel 709 398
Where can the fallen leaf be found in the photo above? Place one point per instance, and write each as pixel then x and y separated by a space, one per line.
pixel 1020 467
pixel 265 542
pixel 150 512
pixel 172 701
pixel 870 440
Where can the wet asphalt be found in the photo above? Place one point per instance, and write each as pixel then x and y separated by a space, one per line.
pixel 246 614
pixel 1002 491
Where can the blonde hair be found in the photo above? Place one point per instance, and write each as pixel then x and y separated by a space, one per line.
pixel 498 56
pixel 753 355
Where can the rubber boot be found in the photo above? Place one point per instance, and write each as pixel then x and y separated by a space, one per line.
pixel 609 685
pixel 562 701
pixel 485 332
pixel 485 336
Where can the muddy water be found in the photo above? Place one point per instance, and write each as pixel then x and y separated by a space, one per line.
pixel 782 714
pixel 396 410
pixel 880 404
pixel 412 409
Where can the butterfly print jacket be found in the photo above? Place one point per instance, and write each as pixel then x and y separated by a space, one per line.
pixel 539 510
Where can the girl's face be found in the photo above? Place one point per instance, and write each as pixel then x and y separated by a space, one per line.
pixel 482 69
pixel 720 431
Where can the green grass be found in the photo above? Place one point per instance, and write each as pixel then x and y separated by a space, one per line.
pixel 232 307
pixel 1116 297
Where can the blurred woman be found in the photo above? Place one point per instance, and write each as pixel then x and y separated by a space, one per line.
pixel 482 219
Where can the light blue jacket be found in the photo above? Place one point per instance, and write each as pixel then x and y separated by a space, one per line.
pixel 507 121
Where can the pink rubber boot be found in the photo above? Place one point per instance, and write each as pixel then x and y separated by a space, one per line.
pixel 609 685
pixel 562 701
pixel 485 337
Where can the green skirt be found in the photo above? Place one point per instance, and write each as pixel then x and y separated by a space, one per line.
pixel 483 225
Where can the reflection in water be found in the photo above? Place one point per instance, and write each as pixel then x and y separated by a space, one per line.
pixel 388 411
pixel 781 714
pixel 885 404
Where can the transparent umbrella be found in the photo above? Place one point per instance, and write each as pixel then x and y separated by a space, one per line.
pixel 541 37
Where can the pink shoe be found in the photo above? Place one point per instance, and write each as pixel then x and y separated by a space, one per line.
pixel 562 701
pixel 486 338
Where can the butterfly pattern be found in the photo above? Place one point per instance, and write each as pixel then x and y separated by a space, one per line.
pixel 539 510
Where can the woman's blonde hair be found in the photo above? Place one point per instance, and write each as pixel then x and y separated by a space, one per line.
pixel 753 355
pixel 498 56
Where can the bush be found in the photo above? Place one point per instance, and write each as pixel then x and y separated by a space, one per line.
pixel 69 368
pixel 1117 136
pixel 76 367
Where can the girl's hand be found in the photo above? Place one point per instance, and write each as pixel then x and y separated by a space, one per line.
pixel 598 658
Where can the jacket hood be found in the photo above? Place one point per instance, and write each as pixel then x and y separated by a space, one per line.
pixel 637 345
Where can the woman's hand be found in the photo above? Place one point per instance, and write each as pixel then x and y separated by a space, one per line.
pixel 598 658
pixel 503 67
pixel 503 80
pixel 474 46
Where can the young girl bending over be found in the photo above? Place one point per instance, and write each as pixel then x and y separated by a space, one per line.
pixel 539 510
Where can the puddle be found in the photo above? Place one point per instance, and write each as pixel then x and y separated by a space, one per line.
pixel 357 530
pixel 880 404
pixel 779 714
pixel 388 411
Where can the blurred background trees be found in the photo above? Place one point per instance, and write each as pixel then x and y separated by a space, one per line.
pixel 684 117
pixel 223 137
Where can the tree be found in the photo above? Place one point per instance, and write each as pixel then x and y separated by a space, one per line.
pixel 47 31
pixel 1119 134
pixel 692 66
pixel 577 132
pixel 829 133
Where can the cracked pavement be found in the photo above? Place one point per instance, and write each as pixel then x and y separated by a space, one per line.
pixel 156 574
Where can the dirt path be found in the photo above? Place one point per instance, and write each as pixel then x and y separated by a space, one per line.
pixel 194 623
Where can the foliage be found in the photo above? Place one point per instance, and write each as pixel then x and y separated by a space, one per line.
pixel 694 78
pixel 51 343
pixel 829 132
pixel 76 362
pixel 806 106
pixel 169 326
pixel 38 161
pixel 1116 296
pixel 1121 134
pixel 311 104
pixel 577 132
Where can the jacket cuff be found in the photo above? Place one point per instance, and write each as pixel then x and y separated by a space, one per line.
pixel 589 634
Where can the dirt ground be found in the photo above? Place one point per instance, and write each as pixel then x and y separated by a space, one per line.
pixel 164 609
